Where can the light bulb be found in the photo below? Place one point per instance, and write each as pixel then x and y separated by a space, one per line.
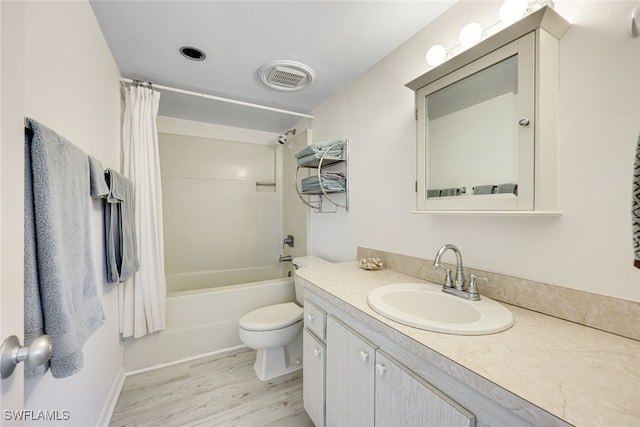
pixel 512 10
pixel 436 55
pixel 470 34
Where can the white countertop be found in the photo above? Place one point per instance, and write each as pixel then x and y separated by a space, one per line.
pixel 582 375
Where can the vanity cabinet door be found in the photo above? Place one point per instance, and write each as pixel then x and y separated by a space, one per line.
pixel 314 353
pixel 404 399
pixel 350 377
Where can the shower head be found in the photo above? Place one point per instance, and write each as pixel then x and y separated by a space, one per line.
pixel 282 139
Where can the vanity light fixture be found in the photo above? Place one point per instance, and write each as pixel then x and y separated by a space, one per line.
pixel 472 33
pixel 513 10
pixel 436 55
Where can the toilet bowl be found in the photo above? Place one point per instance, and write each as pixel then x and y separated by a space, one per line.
pixel 275 332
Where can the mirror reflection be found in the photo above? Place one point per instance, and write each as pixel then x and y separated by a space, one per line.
pixel 471 129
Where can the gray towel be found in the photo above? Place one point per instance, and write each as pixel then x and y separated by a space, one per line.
pixel 452 191
pixel 320 148
pixel 635 208
pixel 99 186
pixel 483 189
pixel 59 277
pixel 507 188
pixel 122 247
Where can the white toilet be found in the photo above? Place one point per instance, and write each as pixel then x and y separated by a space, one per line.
pixel 275 331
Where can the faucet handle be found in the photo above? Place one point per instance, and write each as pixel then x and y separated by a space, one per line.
pixel 447 278
pixel 472 288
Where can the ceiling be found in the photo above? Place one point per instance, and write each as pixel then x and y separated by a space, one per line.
pixel 339 40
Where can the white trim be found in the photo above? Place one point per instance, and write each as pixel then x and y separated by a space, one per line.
pixel 486 213
pixel 112 399
pixel 186 359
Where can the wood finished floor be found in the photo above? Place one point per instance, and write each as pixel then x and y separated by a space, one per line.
pixel 219 390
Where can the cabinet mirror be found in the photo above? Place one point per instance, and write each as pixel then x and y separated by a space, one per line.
pixel 486 124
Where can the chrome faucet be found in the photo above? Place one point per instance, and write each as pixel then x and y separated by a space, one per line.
pixel 458 288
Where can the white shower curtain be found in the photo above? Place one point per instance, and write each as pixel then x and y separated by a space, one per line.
pixel 142 298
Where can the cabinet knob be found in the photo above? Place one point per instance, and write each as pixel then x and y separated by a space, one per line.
pixel 380 368
pixel 310 317
pixel 317 352
pixel 364 356
pixel 524 121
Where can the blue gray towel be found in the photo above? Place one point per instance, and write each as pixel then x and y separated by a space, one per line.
pixel 484 189
pixel 121 247
pixel 635 208
pixel 331 181
pixel 59 276
pixel 97 182
pixel 315 151
pixel 507 188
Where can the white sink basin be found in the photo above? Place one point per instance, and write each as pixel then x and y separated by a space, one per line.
pixel 425 306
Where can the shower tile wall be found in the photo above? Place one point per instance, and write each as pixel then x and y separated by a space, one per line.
pixel 215 216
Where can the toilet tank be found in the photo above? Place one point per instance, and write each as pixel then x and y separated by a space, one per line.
pixel 301 262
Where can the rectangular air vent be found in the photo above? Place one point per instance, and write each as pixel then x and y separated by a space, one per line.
pixel 286 77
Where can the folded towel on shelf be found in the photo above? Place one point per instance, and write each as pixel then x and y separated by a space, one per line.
pixel 59 277
pixel 331 181
pixel 635 208
pixel 507 188
pixel 451 192
pixel 121 242
pixel 97 183
pixel 315 151
pixel 484 189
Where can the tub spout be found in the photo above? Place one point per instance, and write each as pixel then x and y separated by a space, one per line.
pixel 285 258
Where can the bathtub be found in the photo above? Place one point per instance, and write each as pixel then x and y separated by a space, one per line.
pixel 219 278
pixel 203 321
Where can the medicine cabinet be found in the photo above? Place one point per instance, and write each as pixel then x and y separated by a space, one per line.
pixel 487 123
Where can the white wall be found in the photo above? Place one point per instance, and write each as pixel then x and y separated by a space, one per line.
pixel 589 247
pixel 71 86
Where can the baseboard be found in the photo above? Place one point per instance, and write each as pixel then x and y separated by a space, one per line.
pixel 112 398
pixel 186 359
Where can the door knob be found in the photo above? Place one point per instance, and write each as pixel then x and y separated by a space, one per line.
pixel 12 353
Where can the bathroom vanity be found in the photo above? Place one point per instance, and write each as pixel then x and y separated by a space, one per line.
pixel 362 369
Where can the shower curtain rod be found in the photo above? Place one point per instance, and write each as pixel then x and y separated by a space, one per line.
pixel 221 99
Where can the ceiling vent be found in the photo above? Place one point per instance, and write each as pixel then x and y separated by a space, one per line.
pixel 286 75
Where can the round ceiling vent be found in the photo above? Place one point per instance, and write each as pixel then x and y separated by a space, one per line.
pixel 286 75
pixel 193 53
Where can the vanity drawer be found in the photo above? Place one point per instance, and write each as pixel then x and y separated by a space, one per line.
pixel 315 319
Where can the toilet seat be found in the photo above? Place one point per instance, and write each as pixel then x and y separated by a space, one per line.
pixel 272 317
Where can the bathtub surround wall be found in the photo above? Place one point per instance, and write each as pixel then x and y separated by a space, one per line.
pixel 295 213
pixel 79 98
pixel 609 314
pixel 587 248
pixel 222 209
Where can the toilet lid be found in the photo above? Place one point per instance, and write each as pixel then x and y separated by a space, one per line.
pixel 271 317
